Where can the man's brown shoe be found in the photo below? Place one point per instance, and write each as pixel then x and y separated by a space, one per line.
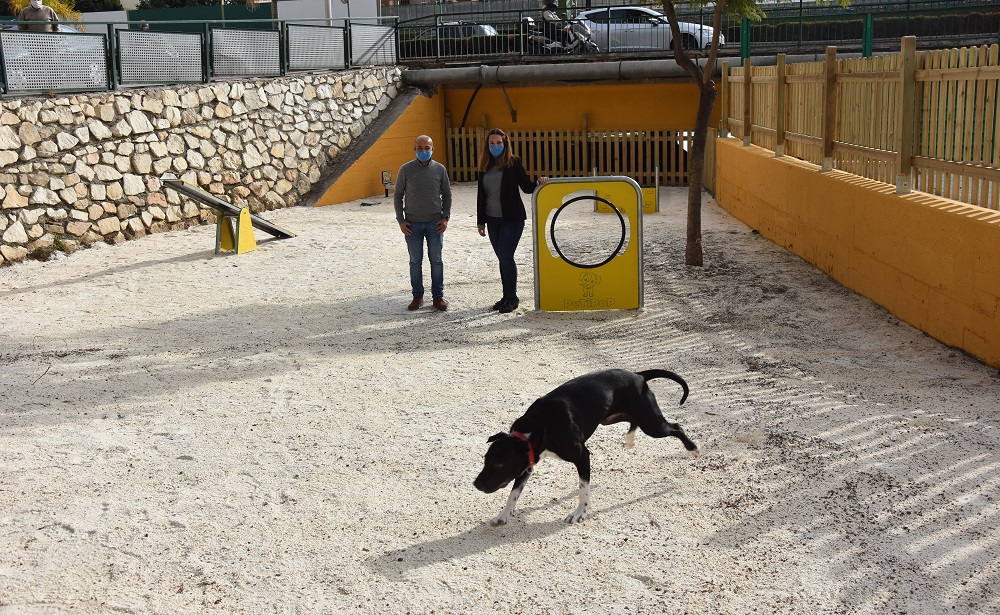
pixel 440 303
pixel 417 302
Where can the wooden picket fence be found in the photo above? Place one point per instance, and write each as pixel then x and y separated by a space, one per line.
pixel 708 172
pixel 925 121
pixel 579 153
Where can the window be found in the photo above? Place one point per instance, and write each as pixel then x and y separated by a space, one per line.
pixel 598 16
pixel 620 16
pixel 634 16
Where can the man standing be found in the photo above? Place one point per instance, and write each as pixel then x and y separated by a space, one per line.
pixel 36 11
pixel 423 205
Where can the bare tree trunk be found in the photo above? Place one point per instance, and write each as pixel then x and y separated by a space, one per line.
pixel 696 157
pixel 696 172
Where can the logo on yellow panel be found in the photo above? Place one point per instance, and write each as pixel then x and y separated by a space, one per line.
pixel 589 283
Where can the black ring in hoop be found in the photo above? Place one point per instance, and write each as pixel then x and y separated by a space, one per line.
pixel 555 244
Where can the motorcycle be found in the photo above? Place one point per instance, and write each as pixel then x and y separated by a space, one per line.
pixel 575 38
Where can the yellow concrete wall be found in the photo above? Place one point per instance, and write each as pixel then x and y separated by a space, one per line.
pixel 667 106
pixel 930 261
pixel 364 177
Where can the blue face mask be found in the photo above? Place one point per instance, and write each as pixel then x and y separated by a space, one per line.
pixel 496 150
pixel 424 156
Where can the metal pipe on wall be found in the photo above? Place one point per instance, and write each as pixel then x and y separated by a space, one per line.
pixel 494 75
pixel 628 70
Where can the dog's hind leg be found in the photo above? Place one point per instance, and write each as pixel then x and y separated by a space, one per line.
pixel 583 469
pixel 630 435
pixel 655 426
pixel 515 493
pixel 664 429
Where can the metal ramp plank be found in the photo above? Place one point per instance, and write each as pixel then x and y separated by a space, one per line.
pixel 214 202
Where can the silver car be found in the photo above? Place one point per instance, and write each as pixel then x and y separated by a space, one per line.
pixel 636 28
pixel 456 30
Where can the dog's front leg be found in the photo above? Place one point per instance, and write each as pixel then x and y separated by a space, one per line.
pixel 515 493
pixel 583 469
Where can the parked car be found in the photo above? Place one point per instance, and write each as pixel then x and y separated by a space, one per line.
pixel 454 38
pixel 454 30
pixel 637 28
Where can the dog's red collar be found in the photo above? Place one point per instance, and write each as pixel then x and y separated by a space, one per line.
pixel 531 449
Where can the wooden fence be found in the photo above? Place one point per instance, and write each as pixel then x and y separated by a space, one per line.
pixel 927 121
pixel 578 153
pixel 708 174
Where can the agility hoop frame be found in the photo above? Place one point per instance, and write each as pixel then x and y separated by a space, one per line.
pixel 616 282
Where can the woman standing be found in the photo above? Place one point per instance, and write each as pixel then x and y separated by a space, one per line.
pixel 500 211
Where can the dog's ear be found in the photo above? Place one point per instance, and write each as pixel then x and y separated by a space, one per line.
pixel 496 437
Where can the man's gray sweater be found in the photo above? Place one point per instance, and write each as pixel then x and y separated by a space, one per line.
pixel 425 190
pixel 45 13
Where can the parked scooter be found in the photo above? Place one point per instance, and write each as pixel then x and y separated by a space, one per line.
pixel 575 38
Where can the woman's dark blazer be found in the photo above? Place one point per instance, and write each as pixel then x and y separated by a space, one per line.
pixel 511 205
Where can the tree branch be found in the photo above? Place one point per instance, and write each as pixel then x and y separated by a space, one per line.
pixel 681 56
pixel 713 52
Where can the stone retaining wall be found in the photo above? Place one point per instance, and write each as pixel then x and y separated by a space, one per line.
pixel 79 169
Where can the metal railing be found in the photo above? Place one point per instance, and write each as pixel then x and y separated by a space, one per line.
pixel 43 62
pixel 796 26
pixel 195 51
pixel 127 56
pixel 867 28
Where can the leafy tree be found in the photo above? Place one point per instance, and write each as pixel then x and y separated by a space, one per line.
pixel 64 8
pixel 693 253
pixel 703 78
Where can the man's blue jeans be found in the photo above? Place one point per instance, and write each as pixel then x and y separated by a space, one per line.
pixel 504 237
pixel 419 232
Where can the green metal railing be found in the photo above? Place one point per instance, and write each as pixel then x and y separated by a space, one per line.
pixel 794 27
pixel 869 28
pixel 157 52
pixel 865 27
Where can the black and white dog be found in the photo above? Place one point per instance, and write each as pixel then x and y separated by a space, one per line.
pixel 559 423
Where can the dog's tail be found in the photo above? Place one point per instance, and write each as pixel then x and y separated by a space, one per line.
pixel 650 374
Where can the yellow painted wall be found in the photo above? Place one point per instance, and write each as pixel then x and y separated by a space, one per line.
pixel 364 177
pixel 667 106
pixel 930 261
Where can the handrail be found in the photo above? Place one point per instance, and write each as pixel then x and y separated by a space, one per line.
pixel 790 27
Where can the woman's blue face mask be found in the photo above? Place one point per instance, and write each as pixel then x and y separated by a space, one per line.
pixel 496 150
pixel 424 156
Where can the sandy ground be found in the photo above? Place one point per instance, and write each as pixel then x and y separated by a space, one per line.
pixel 273 432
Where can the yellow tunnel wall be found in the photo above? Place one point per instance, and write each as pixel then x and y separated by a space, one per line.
pixel 364 177
pixel 930 261
pixel 667 106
